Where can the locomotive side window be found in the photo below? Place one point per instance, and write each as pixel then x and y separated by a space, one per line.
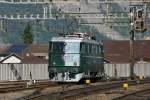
pixel 50 46
pixel 87 48
pixel 84 48
pixel 100 49
pixel 97 49
pixel 94 49
pixel 90 48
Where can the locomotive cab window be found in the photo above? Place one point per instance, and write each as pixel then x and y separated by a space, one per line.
pixel 97 49
pixel 57 46
pixel 72 47
pixel 64 47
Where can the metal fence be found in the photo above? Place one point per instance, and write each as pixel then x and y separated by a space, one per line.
pixel 36 71
pixel 123 70
pixel 40 71
pixel 142 69
pixel 117 70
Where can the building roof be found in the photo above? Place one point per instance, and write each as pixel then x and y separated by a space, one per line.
pixel 10 55
pixel 119 51
pixel 4 47
pixel 35 51
pixel 114 51
pixel 33 60
pixel 17 48
pixel 4 54
pixel 37 48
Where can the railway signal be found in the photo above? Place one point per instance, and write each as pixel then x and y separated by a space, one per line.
pixel 137 24
pixel 138 18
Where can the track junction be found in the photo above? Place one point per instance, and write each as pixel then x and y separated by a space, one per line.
pixel 74 92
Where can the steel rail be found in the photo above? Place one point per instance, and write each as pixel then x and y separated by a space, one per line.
pixel 17 86
pixel 76 92
pixel 136 93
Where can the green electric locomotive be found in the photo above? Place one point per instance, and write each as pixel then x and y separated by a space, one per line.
pixel 74 57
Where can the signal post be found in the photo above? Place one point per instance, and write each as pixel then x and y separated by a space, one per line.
pixel 137 24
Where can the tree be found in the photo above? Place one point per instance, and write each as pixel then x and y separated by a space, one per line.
pixel 27 35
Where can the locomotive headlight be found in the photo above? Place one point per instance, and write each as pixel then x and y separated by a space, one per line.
pixel 54 63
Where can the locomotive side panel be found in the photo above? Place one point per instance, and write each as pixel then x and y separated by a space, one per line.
pixel 92 58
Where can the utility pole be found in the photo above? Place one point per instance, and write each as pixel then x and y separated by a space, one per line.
pixel 137 24
pixel 131 33
pixel 132 54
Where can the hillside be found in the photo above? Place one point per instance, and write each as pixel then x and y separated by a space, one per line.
pixel 43 30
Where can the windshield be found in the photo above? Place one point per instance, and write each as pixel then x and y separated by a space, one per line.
pixel 66 47
pixel 57 47
pixel 71 47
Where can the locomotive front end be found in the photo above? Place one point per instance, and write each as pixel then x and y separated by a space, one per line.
pixel 64 60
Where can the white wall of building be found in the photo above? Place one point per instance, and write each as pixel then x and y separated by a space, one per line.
pixel 12 59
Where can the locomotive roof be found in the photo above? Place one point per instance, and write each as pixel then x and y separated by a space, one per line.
pixel 72 39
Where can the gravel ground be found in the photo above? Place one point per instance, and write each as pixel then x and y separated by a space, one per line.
pixel 109 95
pixel 12 95
pixel 17 94
pixel 101 96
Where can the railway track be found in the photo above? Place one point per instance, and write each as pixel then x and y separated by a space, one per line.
pixel 73 93
pixel 137 95
pixel 10 86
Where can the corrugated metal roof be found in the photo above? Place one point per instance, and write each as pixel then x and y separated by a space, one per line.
pixel 16 48
pixel 37 48
pixel 34 60
pixel 119 51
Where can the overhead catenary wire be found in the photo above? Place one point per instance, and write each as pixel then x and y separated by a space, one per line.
pixel 68 2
